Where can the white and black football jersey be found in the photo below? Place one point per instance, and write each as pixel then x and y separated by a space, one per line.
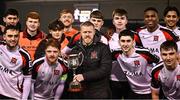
pixel 168 80
pixel 136 68
pixel 153 40
pixel 116 72
pixel 14 65
pixel 47 78
pixel 176 31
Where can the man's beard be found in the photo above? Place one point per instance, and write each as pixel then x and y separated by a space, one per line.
pixel 11 47
pixel 67 26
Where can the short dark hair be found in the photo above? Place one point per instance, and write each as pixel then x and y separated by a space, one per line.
pixel 97 14
pixel 87 23
pixel 119 12
pixel 56 25
pixel 126 32
pixel 168 45
pixel 151 8
pixel 52 42
pixel 170 8
pixel 11 11
pixel 11 27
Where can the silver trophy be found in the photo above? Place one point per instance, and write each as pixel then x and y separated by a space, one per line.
pixel 73 61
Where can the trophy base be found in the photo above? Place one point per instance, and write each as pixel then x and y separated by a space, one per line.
pixel 75 90
pixel 75 87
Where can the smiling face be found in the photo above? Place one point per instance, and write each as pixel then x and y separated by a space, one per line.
pixel 171 19
pixel 126 43
pixel 12 38
pixel 32 24
pixel 67 19
pixel 151 20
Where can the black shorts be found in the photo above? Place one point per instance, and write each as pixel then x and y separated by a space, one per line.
pixel 133 95
pixel 5 97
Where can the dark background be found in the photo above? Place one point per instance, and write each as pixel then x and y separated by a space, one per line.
pixel 49 9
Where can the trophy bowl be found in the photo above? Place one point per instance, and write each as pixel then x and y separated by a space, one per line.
pixel 73 62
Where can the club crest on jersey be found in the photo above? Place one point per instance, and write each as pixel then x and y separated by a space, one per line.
pixel 43 74
pixel 13 60
pixel 156 38
pixel 136 63
pixel 94 55
pixel 178 77
pixel 56 72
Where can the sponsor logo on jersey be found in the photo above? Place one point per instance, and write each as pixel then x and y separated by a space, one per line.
pixel 13 60
pixel 153 50
pixel 156 38
pixel 56 72
pixel 135 73
pixel 178 77
pixel 6 70
pixel 136 63
pixel 43 74
pixel 94 55
pixel 49 82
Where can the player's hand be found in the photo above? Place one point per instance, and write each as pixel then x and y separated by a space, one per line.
pixel 78 77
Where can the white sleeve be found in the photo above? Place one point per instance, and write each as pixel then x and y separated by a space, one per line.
pixel 104 40
pixel 26 87
pixel 59 91
pixel 66 50
pixel 178 44
pixel 60 88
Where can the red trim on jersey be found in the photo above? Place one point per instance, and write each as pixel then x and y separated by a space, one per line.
pixel 178 77
pixel 167 36
pixel 137 39
pixel 37 68
pixel 116 55
pixel 77 38
pixel 65 69
pixel 24 61
pixel 156 74
pixel 140 28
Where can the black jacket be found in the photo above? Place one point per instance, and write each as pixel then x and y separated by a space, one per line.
pixel 96 69
pixel 40 51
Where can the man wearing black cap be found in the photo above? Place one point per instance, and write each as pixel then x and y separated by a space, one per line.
pixel 56 32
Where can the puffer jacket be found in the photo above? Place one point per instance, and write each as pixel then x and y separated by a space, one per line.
pixel 96 69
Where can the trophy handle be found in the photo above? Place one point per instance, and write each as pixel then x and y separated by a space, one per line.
pixel 82 58
pixel 64 60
